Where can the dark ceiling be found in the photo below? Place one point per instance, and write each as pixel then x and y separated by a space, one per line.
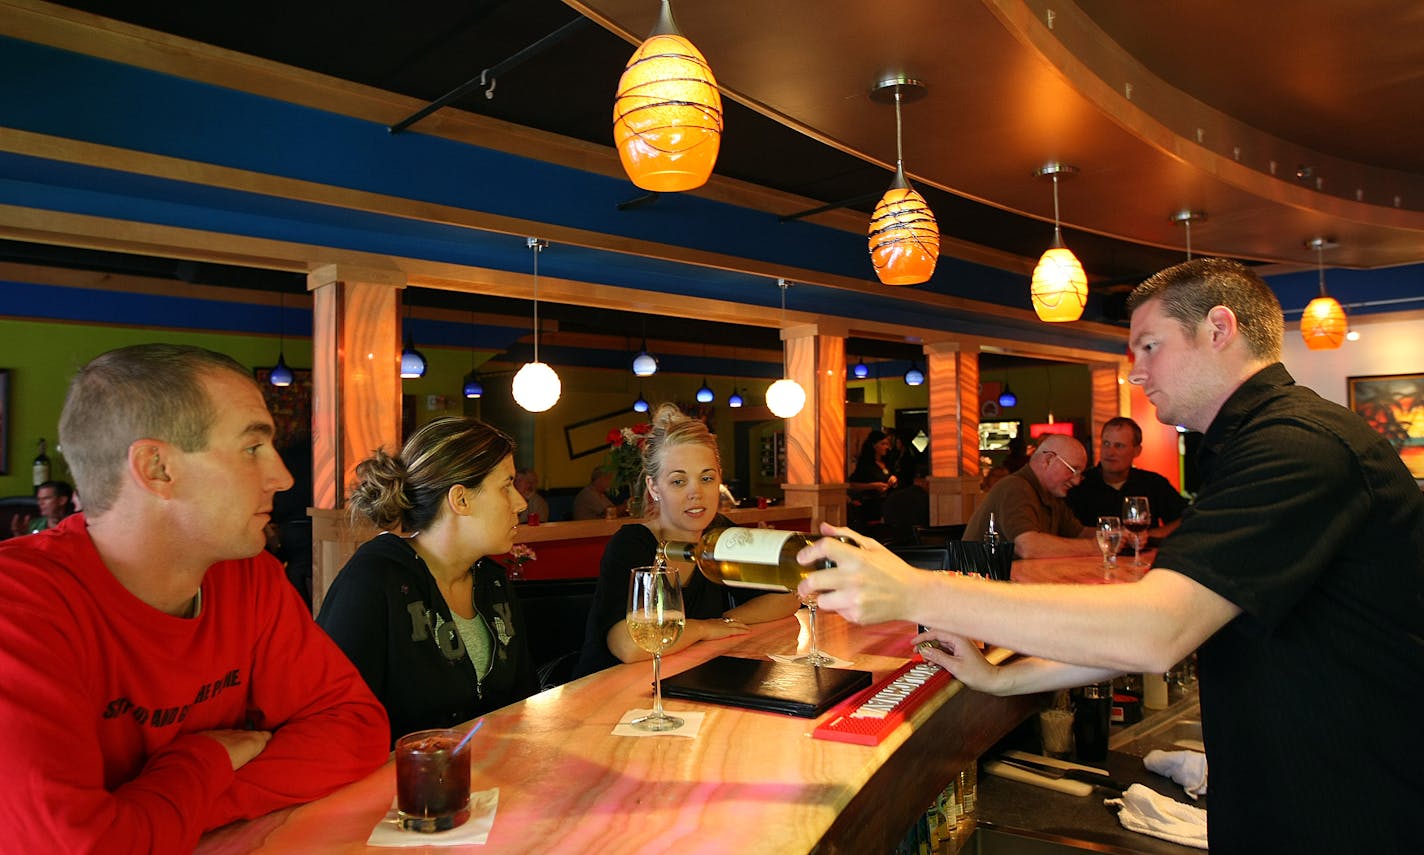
pixel 1346 86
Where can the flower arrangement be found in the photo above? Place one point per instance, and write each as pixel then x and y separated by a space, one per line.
pixel 625 455
pixel 519 555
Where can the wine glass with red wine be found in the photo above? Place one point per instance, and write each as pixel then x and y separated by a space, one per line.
pixel 1136 519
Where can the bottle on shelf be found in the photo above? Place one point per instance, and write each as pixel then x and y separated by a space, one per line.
pixel 41 466
pixel 760 558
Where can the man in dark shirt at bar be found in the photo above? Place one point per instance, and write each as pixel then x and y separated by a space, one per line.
pixel 1298 572
pixel 1105 485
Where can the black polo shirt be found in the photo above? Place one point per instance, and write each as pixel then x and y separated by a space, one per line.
pixel 1312 698
pixel 1094 497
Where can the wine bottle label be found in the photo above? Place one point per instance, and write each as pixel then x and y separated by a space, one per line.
pixel 750 545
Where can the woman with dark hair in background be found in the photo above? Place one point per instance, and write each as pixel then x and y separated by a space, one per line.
pixel 871 480
pixel 430 622
pixel 682 480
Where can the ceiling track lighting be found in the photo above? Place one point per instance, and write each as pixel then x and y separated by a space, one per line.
pixel 412 362
pixel 667 115
pixel 1060 287
pixel 785 398
pixel 536 387
pixel 281 375
pixel 1185 218
pixel 1323 325
pixel 903 234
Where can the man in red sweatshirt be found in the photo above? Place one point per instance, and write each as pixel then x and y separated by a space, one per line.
pixel 161 675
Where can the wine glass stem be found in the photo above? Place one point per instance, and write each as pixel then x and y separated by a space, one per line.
pixel 657 685
pixel 815 647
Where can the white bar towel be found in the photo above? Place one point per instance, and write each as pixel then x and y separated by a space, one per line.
pixel 1146 811
pixel 1187 768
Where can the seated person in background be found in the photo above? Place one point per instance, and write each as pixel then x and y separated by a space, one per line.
pixel 55 500
pixel 1017 457
pixel 431 623
pixel 592 502
pixel 682 472
pixel 161 676
pixel 1028 504
pixel 871 479
pixel 1103 487
pixel 526 481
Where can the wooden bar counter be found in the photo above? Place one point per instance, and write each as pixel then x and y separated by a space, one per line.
pixel 750 782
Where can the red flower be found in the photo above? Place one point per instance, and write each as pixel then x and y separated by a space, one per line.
pixel 615 437
pixel 642 429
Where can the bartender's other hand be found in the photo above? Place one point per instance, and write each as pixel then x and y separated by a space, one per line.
pixel 241 745
pixel 960 657
pixel 869 584
pixel 723 628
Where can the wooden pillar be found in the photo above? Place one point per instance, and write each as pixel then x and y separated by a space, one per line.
pixel 356 399
pixel 815 437
pixel 1108 400
pixel 954 431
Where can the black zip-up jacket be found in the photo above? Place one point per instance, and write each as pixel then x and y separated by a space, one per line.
pixel 386 613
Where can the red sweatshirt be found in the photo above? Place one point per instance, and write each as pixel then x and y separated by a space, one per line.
pixel 102 696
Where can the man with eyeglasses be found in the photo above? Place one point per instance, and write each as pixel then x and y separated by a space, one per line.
pixel 1029 508
pixel 1105 485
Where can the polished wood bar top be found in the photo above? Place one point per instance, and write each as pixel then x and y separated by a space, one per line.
pixel 750 782
pixel 1079 570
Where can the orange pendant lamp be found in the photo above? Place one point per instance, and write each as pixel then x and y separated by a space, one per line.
pixel 667 116
pixel 1323 325
pixel 1060 286
pixel 903 235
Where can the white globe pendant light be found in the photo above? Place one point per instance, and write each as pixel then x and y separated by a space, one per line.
pixel 785 398
pixel 536 385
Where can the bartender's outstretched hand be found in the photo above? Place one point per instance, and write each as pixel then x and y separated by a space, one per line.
pixel 960 657
pixel 869 584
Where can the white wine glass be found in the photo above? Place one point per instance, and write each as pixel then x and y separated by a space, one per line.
pixel 1137 519
pixel 655 621
pixel 814 656
pixel 1109 534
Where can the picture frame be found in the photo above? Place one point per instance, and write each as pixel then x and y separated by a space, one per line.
pixel 1393 406
pixel 290 406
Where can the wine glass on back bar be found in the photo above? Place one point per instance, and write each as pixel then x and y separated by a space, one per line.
pixel 655 621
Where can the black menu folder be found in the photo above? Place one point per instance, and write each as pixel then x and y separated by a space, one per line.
pixel 792 688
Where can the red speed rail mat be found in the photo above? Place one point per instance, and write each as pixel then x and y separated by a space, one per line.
pixel 867 717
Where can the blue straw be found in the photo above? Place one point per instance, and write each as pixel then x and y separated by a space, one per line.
pixel 461 744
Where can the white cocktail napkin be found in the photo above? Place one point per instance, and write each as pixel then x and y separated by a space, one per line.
pixel 800 658
pixel 691 723
pixel 475 830
pixel 1147 811
pixel 1187 768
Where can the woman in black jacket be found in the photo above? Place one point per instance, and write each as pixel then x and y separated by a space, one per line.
pixel 431 622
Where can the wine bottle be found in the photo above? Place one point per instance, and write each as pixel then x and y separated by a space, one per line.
pixel 760 558
pixel 41 467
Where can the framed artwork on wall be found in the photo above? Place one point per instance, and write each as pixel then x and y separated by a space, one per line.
pixel 1393 405
pixel 290 405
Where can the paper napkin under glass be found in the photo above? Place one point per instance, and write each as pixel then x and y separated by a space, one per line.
pixel 474 830
pixel 691 723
